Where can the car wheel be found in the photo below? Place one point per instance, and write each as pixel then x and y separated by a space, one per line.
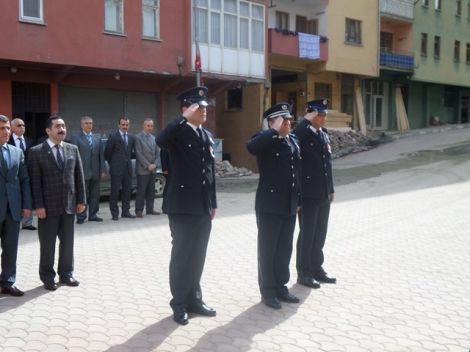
pixel 160 182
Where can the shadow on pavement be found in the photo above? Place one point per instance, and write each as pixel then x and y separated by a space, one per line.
pixel 8 302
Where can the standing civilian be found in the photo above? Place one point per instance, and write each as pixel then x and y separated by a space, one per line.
pixel 118 153
pixel 277 203
pixel 147 156
pixel 15 203
pixel 317 195
pixel 19 140
pixel 92 155
pixel 190 202
pixel 58 188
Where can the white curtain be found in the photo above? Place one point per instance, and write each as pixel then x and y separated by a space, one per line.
pixel 112 15
pixel 230 31
pixel 215 28
pixel 244 33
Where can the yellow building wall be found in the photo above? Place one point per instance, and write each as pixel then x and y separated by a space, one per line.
pixel 355 59
pixel 237 127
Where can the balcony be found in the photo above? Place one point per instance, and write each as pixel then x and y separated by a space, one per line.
pixel 397 61
pixel 398 9
pixel 297 45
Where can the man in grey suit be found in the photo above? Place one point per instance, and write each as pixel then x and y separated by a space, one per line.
pixel 15 203
pixel 92 155
pixel 58 188
pixel 118 153
pixel 147 156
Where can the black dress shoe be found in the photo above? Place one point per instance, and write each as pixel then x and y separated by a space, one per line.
pixel 129 216
pixel 115 218
pixel 30 227
pixel 180 316
pixel 202 309
pixel 272 302
pixel 325 279
pixel 51 286
pixel 70 281
pixel 96 218
pixel 12 291
pixel 153 212
pixel 288 297
pixel 139 214
pixel 309 282
pixel 80 221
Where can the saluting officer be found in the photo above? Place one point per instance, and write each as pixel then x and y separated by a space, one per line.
pixel 317 194
pixel 277 202
pixel 189 201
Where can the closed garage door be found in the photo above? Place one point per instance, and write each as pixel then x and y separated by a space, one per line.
pixel 106 106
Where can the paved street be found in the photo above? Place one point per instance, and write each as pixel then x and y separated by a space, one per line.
pixel 398 243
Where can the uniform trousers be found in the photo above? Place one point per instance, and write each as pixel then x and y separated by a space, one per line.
pixel 9 233
pixel 190 236
pixel 120 182
pixel 92 187
pixel 145 193
pixel 49 229
pixel 275 235
pixel 313 220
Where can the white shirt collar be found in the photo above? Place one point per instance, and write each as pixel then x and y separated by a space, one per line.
pixel 314 129
pixel 52 144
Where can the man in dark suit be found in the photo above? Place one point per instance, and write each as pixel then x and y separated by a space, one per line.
pixel 92 155
pixel 147 156
pixel 15 203
pixel 190 202
pixel 19 140
pixel 118 153
pixel 277 202
pixel 317 194
pixel 58 188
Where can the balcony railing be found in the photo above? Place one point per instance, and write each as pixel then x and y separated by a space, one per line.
pixel 398 61
pixel 397 8
pixel 298 45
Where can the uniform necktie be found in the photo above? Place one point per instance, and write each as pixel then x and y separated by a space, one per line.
pixel 199 132
pixel 60 161
pixel 21 144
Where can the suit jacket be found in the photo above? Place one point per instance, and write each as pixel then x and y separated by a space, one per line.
pixel 118 155
pixel 15 190
pixel 28 144
pixel 317 178
pixel 56 190
pixel 278 161
pixel 191 188
pixel 92 158
pixel 146 152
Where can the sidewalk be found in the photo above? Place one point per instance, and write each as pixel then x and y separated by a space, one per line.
pixel 398 244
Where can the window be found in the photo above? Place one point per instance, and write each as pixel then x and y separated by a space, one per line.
pixel 323 91
pixel 353 31
pixel 424 44
pixel 457 51
pixel 234 99
pixel 282 20
pixel 458 9
pixel 301 24
pixel 425 3
pixel 438 5
pixel 437 47
pixel 151 18
pixel 229 23
pixel 386 42
pixel 467 55
pixel 31 10
pixel 113 16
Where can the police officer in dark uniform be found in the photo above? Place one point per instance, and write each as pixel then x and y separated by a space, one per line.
pixel 277 202
pixel 190 202
pixel 317 194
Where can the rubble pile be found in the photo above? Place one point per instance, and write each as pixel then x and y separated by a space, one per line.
pixel 225 169
pixel 344 143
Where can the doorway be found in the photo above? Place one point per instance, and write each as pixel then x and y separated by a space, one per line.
pixel 376 104
pixel 464 109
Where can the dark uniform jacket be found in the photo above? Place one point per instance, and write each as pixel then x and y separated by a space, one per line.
pixel 56 190
pixel 317 179
pixel 118 155
pixel 279 168
pixel 191 188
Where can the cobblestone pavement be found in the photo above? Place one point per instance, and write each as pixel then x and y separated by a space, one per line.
pixel 398 244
